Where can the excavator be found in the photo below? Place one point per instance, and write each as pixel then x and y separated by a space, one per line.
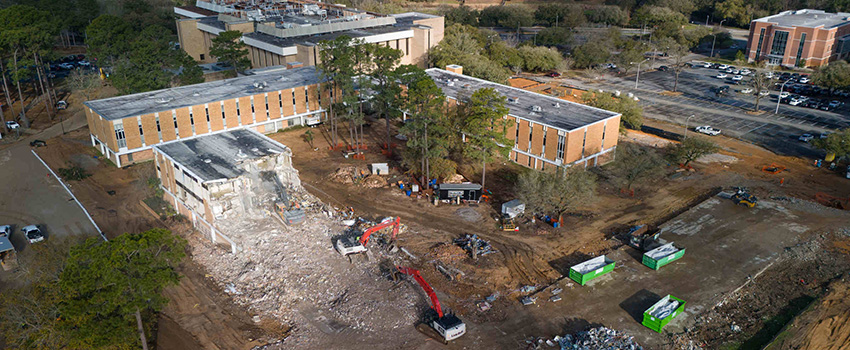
pixel 283 206
pixel 354 244
pixel 448 326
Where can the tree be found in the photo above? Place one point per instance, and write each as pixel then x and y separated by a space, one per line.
pixel 837 143
pixel 308 136
pixel 834 76
pixel 144 68
pixel 387 89
pixel 427 137
pixel 554 36
pixel 665 21
pixel 630 55
pixel 737 11
pixel 511 16
pixel 678 54
pixel 759 82
pixel 691 148
pixel 556 192
pixel 228 47
pixel 590 54
pixel 109 37
pixel 464 45
pixel 461 15
pixel 609 15
pixel 190 72
pixel 567 15
pixel 86 85
pixel 484 128
pixel 539 59
pixel 632 112
pixel 106 285
pixel 635 163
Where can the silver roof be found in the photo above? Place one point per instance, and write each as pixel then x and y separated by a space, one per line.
pixel 219 156
pixel 808 18
pixel 538 108
pixel 191 95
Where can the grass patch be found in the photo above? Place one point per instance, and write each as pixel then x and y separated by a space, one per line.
pixel 160 206
pixel 73 173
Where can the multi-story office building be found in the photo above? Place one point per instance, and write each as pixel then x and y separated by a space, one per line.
pixel 281 32
pixel 546 132
pixel 125 128
pixel 801 38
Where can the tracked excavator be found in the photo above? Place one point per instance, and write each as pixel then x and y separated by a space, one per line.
pixel 448 326
pixel 354 244
pixel 283 206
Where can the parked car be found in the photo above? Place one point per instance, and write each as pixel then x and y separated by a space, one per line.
pixel 795 102
pixel 746 90
pixel 33 233
pixel 723 66
pixel 553 74
pixel 61 105
pixel 804 80
pixel 806 137
pixel 37 143
pixel 708 130
pixel 784 94
pixel 5 230
pixel 610 66
pixel 764 93
pixel 663 68
pixel 12 125
pixel 738 78
pixel 84 63
pixel 745 71
pixel 835 104
pixel 66 66
pixel 721 76
pixel 824 135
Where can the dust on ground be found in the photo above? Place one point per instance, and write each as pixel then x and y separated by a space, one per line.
pixel 824 326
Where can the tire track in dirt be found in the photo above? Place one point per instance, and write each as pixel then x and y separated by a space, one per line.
pixel 519 257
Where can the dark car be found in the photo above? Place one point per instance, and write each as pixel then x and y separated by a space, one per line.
pixel 663 68
pixel 38 143
pixel 553 74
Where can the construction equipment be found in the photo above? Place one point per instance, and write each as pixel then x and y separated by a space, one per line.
pixel 743 197
pixel 475 246
pixel 284 206
pixel 448 326
pixel 354 244
pixel 508 224
pixel 773 168
pixel 642 238
pixel 8 255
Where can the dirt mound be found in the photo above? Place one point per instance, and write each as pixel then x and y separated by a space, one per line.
pixel 374 181
pixel 824 326
pixel 448 253
pixel 455 179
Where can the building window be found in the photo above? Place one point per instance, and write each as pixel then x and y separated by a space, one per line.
pixel 516 138
pixel 158 129
pixel 530 133
pixel 202 57
pixel 174 118
pixel 780 39
pixel 604 128
pixel 223 118
pixel 280 102
pixel 207 112
pixel 293 97
pixel 237 109
pixel 307 98
pixel 561 140
pixel 252 105
pixel 267 104
pixel 800 49
pixel 543 149
pixel 141 132
pixel 192 121
pixel 761 41
pixel 119 135
pixel 583 142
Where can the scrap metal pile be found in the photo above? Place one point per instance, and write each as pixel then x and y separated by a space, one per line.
pixel 475 246
pixel 600 338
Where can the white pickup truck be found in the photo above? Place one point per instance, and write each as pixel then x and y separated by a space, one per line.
pixel 705 129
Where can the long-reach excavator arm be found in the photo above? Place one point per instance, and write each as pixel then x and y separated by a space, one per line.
pixel 435 303
pixel 395 223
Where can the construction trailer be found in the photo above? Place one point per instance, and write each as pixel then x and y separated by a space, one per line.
pixel 453 192
pixel 661 313
pixel 591 269
pixel 513 208
pixel 663 255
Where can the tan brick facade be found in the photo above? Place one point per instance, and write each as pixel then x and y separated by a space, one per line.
pixel 804 45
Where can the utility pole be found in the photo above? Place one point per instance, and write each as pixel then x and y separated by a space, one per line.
pixel 637 77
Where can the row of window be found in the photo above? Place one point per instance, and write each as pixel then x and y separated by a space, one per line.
pixel 561 140
pixel 122 141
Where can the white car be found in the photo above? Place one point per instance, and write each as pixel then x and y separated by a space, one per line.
pixel 764 93
pixel 729 70
pixel 84 63
pixel 33 234
pixel 804 80
pixel 66 66
pixel 5 230
pixel 736 72
pixel 721 76
pixel 795 102
pixel 707 130
pixel 723 66
pixel 745 71
pixel 769 75
pixel 746 91
pixel 738 78
pixel 834 104
pixel 784 94
pixel 706 65
pixel 806 137
pixel 12 125
pixel 610 66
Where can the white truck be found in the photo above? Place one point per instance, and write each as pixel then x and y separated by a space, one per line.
pixel 708 130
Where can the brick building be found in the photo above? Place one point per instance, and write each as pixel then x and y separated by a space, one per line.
pixel 282 32
pixel 547 132
pixel 125 128
pixel 809 38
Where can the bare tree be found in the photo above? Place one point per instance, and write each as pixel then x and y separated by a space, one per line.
pixel 555 192
pixel 759 82
pixel 635 163
pixel 85 84
pixel 678 56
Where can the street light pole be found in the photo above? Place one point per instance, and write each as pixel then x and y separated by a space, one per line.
pixel 713 41
pixel 779 97
pixel 687 121
pixel 637 77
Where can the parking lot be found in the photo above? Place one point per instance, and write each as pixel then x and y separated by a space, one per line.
pixel 778 132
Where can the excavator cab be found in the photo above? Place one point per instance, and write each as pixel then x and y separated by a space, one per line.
pixel 450 327
pixel 355 244
pixel 447 325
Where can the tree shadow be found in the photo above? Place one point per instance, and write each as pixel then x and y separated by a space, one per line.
pixel 636 304
pixel 776 323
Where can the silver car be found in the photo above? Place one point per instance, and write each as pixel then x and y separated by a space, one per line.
pixel 33 233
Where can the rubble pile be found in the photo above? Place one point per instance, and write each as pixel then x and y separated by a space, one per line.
pixel 293 274
pixel 600 338
pixel 448 253
pixel 374 181
pixel 474 245
pixel 349 174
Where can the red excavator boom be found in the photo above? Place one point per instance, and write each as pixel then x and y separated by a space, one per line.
pixel 395 223
pixel 435 303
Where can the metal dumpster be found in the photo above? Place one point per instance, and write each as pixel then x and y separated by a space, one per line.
pixel 662 312
pixel 590 269
pixel 663 255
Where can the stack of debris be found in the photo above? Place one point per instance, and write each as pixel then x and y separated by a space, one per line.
pixel 448 253
pixel 600 338
pixel 350 174
pixel 475 246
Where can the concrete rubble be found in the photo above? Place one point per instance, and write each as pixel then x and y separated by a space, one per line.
pixel 475 246
pixel 600 338
pixel 294 276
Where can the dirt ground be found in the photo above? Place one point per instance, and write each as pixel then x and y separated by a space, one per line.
pixel 825 325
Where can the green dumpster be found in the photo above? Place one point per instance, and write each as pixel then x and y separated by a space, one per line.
pixel 664 311
pixel 663 255
pixel 590 269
